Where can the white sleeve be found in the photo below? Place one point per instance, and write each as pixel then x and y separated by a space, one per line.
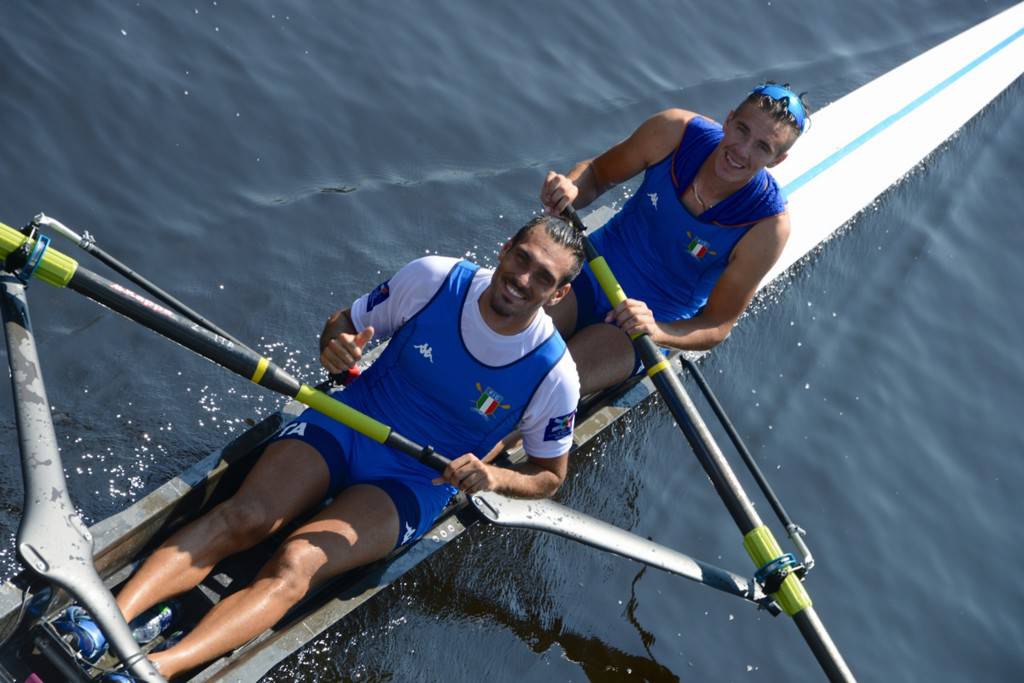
pixel 399 298
pixel 548 421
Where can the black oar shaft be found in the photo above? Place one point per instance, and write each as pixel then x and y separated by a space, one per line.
pixel 235 357
pixel 679 405
pixel 240 360
pixel 795 532
pixel 757 538
pixel 699 438
pixel 156 291
pixel 62 271
pixel 88 244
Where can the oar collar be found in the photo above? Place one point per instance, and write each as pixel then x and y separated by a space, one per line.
pixel 24 260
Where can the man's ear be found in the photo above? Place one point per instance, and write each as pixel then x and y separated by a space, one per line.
pixel 778 160
pixel 559 294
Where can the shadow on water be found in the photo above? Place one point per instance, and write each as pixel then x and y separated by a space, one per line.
pixel 598 661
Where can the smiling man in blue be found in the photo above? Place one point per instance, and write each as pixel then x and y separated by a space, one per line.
pixel 692 244
pixel 472 357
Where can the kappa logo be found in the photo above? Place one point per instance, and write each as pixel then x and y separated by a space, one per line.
pixel 293 429
pixel 654 199
pixel 425 351
pixel 410 531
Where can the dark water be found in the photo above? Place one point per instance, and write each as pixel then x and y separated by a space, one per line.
pixel 267 162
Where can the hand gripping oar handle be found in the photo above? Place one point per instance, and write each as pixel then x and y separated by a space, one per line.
pixel 654 362
pixel 758 539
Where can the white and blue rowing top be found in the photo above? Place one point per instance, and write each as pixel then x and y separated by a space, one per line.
pixel 447 379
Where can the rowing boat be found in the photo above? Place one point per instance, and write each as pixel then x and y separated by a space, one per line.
pixel 831 175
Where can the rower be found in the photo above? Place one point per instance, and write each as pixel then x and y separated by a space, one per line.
pixel 473 355
pixel 692 243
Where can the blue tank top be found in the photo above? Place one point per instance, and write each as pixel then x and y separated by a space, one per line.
pixel 429 388
pixel 662 254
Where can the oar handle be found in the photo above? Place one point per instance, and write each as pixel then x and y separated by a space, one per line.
pixel 425 454
pixel 650 355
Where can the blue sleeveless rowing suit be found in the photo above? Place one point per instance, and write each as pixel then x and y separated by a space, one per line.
pixel 662 254
pixel 429 388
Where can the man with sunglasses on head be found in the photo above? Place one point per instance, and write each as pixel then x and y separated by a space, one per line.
pixel 693 242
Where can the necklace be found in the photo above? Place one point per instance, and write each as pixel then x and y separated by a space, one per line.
pixel 696 195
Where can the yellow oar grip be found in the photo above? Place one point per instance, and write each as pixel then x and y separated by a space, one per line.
pixel 261 369
pixel 350 417
pixel 657 367
pixel 54 268
pixel 763 548
pixel 609 285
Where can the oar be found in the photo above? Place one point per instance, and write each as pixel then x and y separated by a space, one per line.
pixel 547 515
pixel 63 271
pixel 779 581
pixel 88 243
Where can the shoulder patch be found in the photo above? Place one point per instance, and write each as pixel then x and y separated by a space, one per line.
pixel 559 427
pixel 378 296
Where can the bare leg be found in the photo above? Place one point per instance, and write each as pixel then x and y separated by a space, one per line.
pixel 358 527
pixel 604 357
pixel 290 477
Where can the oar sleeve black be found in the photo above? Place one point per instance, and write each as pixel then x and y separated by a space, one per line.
pixel 189 334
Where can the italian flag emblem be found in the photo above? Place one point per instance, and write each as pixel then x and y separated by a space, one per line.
pixel 489 401
pixel 697 248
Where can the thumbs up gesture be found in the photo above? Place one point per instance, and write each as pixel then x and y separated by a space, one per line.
pixel 343 351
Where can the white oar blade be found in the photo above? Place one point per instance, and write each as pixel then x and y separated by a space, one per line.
pixel 552 517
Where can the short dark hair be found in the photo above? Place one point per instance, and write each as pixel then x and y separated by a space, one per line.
pixel 779 109
pixel 563 234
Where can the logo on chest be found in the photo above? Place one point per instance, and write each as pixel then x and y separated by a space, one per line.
pixel 489 401
pixel 425 351
pixel 699 248
pixel 653 196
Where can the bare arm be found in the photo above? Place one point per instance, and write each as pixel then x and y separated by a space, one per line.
pixel 750 261
pixel 536 478
pixel 589 179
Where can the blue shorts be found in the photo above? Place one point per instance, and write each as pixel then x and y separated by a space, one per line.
pixel 352 458
pixel 592 306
